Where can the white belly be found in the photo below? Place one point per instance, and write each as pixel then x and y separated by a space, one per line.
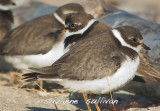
pixel 100 86
pixel 41 60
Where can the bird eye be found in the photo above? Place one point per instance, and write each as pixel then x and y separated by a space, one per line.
pixel 134 39
pixel 13 3
pixel 73 25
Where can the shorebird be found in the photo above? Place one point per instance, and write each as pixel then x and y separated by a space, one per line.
pixel 36 43
pixel 6 17
pixel 86 67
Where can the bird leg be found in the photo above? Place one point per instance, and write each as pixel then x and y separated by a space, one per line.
pixel 102 95
pixel 96 105
pixel 111 97
pixel 85 99
pixel 40 85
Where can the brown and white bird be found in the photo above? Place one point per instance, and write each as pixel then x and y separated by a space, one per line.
pixel 84 69
pixel 81 21
pixel 111 56
pixel 35 43
pixel 94 58
pixel 6 17
pixel 146 72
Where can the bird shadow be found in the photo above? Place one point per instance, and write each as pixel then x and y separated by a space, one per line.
pixel 5 66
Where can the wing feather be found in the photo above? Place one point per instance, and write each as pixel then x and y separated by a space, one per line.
pixel 80 61
pixel 31 37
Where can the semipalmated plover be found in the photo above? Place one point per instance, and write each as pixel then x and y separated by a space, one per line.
pixel 31 44
pixel 83 27
pixel 6 17
pixel 106 56
pixel 112 54
pixel 94 27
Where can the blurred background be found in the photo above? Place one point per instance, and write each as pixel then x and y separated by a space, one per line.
pixel 147 9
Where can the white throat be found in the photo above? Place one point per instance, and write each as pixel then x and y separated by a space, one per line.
pixel 90 23
pixel 59 18
pixel 120 38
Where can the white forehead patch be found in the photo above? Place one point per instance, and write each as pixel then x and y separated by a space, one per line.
pixel 90 23
pixel 59 18
pixel 117 34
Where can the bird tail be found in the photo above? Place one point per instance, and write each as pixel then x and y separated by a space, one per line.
pixel 38 75
pixel 148 72
pixel 29 77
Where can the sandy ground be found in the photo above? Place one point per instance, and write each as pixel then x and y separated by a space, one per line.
pixel 12 99
pixel 24 101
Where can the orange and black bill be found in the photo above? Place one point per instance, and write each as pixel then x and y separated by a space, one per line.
pixel 62 30
pixel 145 47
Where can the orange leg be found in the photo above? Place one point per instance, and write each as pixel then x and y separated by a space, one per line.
pixel 96 105
pixel 85 99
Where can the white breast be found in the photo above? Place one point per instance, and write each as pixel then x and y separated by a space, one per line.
pixel 100 86
pixel 41 60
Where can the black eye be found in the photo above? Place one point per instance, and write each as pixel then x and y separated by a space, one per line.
pixel 13 3
pixel 73 25
pixel 134 39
